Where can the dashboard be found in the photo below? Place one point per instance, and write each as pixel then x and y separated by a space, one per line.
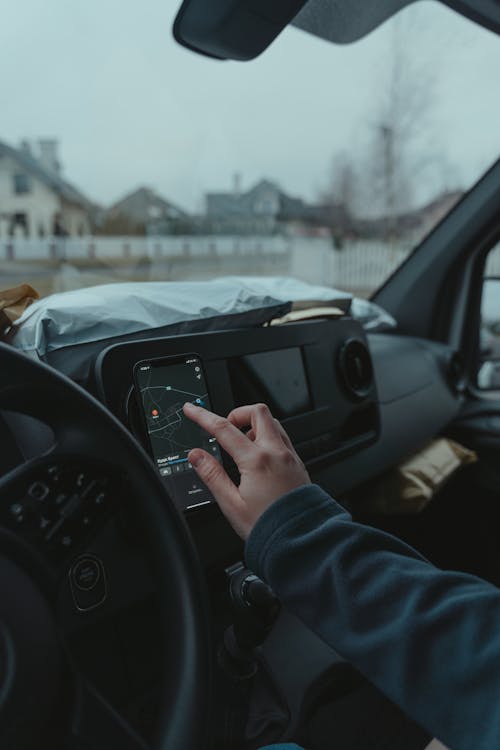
pixel 353 404
pixel 316 377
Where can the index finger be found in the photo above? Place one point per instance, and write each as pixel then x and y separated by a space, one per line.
pixel 228 436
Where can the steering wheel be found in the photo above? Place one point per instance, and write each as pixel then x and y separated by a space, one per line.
pixel 50 508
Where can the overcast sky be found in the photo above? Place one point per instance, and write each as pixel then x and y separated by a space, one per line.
pixel 130 107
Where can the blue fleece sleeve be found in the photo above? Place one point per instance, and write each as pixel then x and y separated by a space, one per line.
pixel 429 639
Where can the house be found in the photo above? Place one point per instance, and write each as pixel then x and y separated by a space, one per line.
pixel 429 215
pixel 253 211
pixel 411 225
pixel 143 211
pixel 267 209
pixel 35 200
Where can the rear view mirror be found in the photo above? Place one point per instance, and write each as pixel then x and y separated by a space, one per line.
pixel 242 29
pixel 232 29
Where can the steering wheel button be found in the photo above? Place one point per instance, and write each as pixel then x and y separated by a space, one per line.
pixel 88 583
pixel 91 486
pixel 71 507
pixel 16 509
pixel 86 574
pixel 38 491
pixel 100 499
pixel 80 479
pixel 43 523
pixel 54 473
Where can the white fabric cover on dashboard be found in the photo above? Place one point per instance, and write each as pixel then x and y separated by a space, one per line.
pixel 68 330
pixel 103 312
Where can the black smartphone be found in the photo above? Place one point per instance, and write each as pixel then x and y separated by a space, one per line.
pixel 162 387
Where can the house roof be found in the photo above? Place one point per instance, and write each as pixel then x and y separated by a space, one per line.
pixel 289 208
pixel 140 205
pixel 427 215
pixel 239 204
pixel 51 179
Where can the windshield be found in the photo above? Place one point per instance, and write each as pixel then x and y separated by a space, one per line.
pixel 126 157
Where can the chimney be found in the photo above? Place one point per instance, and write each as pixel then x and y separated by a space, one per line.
pixel 48 154
pixel 236 183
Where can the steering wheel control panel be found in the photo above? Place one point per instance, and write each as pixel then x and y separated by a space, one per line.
pixel 58 506
pixel 315 376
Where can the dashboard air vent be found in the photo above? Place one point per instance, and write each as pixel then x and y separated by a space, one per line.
pixel 356 368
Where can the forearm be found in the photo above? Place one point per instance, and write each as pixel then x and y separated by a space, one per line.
pixel 429 639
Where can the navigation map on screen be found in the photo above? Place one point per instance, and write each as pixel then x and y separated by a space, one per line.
pixel 164 387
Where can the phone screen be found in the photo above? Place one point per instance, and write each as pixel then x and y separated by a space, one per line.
pixel 163 386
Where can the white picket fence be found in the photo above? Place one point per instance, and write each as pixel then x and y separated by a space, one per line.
pixel 359 266
pixel 104 248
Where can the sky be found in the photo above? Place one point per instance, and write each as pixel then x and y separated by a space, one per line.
pixel 130 107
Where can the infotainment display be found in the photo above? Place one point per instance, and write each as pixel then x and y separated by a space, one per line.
pixel 277 378
pixel 163 386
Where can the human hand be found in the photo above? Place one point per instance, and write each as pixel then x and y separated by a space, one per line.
pixel 266 459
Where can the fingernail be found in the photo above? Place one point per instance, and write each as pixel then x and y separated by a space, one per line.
pixel 197 460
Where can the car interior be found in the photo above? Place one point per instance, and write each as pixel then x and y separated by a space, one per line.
pixel 128 616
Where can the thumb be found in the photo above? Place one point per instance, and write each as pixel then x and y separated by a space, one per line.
pixel 212 473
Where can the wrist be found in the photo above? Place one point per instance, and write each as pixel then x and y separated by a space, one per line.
pixel 301 505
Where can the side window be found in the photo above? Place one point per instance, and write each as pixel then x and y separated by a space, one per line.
pixel 488 374
pixel 21 183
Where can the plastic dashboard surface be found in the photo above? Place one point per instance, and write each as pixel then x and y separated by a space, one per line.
pixel 298 369
pixel 345 441
pixel 419 395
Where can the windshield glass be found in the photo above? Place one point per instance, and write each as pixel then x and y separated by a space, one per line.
pixel 126 157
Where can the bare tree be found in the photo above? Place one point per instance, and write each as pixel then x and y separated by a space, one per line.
pixel 342 188
pixel 380 182
pixel 340 196
pixel 405 103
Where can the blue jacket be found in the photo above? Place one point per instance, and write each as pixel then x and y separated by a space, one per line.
pixel 429 639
